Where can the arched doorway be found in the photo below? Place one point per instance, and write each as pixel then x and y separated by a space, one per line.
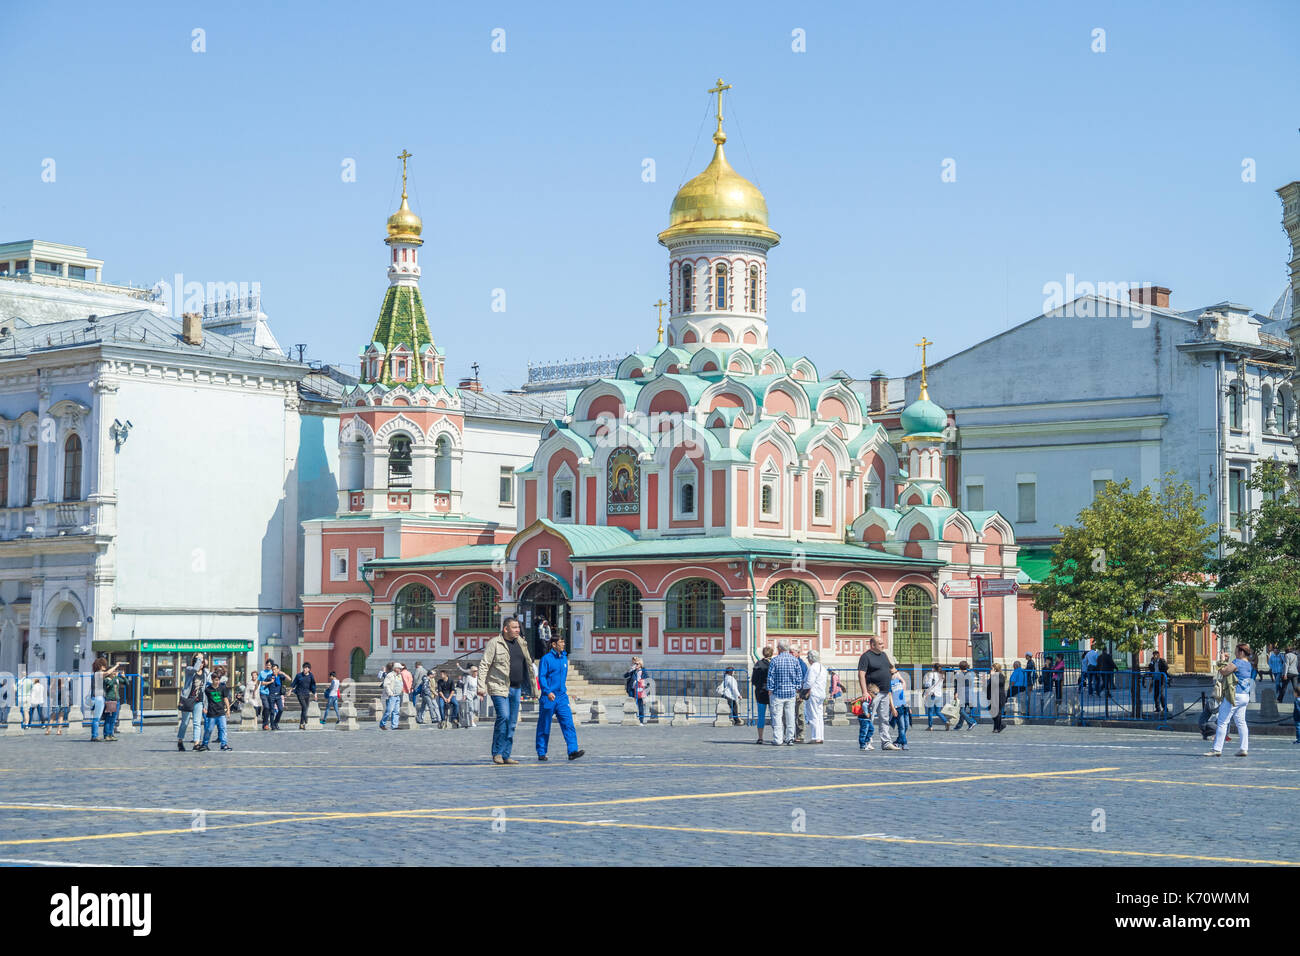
pixel 357 665
pixel 543 600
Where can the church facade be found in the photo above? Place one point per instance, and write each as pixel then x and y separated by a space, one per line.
pixel 713 495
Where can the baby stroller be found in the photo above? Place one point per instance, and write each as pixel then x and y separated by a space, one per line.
pixel 1209 719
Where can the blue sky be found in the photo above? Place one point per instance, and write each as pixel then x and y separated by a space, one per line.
pixel 226 165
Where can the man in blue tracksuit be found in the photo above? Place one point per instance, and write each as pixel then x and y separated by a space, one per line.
pixel 552 673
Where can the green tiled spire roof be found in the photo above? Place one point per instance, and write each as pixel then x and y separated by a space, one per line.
pixel 402 322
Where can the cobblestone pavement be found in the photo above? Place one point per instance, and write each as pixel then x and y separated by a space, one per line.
pixel 648 795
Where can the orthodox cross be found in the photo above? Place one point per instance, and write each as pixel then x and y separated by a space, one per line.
pixel 660 305
pixel 404 156
pixel 718 89
pixel 921 345
pixel 474 366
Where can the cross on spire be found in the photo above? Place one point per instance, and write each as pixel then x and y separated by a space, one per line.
pixel 719 136
pixel 925 392
pixel 660 305
pixel 404 156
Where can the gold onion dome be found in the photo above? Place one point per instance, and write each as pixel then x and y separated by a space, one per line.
pixel 719 199
pixel 404 225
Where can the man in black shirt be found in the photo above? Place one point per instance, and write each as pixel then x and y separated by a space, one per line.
pixel 874 667
pixel 446 699
pixel 505 671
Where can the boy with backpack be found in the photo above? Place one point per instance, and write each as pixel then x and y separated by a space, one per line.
pixel 216 705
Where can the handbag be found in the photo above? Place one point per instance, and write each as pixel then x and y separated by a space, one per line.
pixel 110 707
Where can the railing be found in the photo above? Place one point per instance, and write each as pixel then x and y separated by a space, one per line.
pixel 65 694
pixel 37 521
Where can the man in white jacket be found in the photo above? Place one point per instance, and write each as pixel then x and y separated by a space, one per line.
pixel 815 705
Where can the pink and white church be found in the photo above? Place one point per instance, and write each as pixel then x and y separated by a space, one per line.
pixel 713 496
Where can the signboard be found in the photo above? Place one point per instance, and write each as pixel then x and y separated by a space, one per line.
pixel 185 647
pixel 960 589
pixel 981 649
pixel 1000 587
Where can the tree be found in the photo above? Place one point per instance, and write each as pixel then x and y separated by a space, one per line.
pixel 1258 597
pixel 1132 563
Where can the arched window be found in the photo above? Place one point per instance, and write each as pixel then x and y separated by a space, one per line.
pixel 688 498
pixel 442 464
pixel 618 607
pixel 688 288
pixel 477 608
pixel 414 609
pixel 912 626
pixel 1234 407
pixel 564 506
pixel 819 504
pixel 399 461
pixel 720 286
pixel 695 605
pixel 855 610
pixel 767 498
pixel 790 607
pixel 753 288
pixel 72 469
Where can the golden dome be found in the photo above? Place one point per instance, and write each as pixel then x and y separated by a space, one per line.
pixel 719 199
pixel 404 225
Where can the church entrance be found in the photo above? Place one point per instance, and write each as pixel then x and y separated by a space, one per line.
pixel 543 601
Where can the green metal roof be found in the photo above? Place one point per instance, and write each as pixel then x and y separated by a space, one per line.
pixel 660 548
pixel 1036 563
pixel 467 554
pixel 587 538
pixel 402 322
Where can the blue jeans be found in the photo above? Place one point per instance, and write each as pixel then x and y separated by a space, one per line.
pixel 558 708
pixel 1295 715
pixel 762 715
pixel 392 708
pixel 503 731
pixel 448 709
pixel 331 702
pixel 61 716
pixel 424 702
pixel 902 722
pixel 640 709
pixel 194 714
pixel 864 730
pixel 35 715
pixel 966 716
pixel 932 714
pixel 219 722
pixel 110 721
pixel 96 715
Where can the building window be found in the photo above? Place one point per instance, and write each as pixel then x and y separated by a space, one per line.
pixel 414 609
pixel 790 607
pixel 753 288
pixel 720 286
pixel 694 605
pixel 339 565
pixel 564 503
pixel 819 503
pixel 688 288
pixel 442 464
pixel 72 469
pixel 869 497
pixel 855 610
pixel 688 498
pixel 1234 407
pixel 1027 499
pixel 767 499
pixel 618 607
pixel 1098 486
pixel 399 461
pixel 76 272
pixel 477 608
pixel 32 462
pixel 1236 497
pixel 685 490
pixel 913 619
pixel 974 497
pixel 363 555
pixel 507 486
pixel 4 477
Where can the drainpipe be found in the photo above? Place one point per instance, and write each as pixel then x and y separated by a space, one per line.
pixel 753 609
pixel 371 606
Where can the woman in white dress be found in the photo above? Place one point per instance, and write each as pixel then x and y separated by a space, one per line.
pixel 815 705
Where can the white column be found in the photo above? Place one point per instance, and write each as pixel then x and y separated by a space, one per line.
pixel 656 609
pixel 1010 628
pixel 945 617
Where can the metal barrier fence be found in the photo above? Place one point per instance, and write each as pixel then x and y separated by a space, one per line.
pixel 61 697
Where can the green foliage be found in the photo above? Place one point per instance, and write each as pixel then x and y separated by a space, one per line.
pixel 1258 600
pixel 1133 561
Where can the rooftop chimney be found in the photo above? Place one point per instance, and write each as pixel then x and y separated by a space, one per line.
pixel 1156 295
pixel 470 385
pixel 879 391
pixel 192 328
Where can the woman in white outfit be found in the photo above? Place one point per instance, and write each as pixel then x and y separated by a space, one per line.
pixel 469 693
pixel 932 694
pixel 815 705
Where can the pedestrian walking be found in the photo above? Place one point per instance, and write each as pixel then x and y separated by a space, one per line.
pixel 189 703
pixel 392 691
pixel 36 697
pixel 506 667
pixel 422 694
pixel 1088 671
pixel 815 705
pixel 729 691
pixel 408 680
pixel 1031 671
pixel 1105 671
pixel 902 714
pixel 1158 674
pixel 1292 672
pixel 332 699
pixel 115 685
pixel 995 689
pixel 468 696
pixel 1058 678
pixel 1235 700
pixel 216 705
pixel 274 698
pixel 552 677
pixel 1295 707
pixel 802 697
pixel 637 683
pixel 1277 670
pixel 60 702
pixel 1018 682
pixel 964 681
pixel 263 695
pixel 446 700
pixel 7 693
pixel 1262 663
pixel 304 688
pixel 861 708
pixel 758 681
pixel 784 678
pixel 874 667
pixel 932 695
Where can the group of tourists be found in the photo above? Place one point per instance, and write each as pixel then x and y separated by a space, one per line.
pixel 446 700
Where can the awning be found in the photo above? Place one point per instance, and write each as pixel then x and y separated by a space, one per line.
pixel 188 647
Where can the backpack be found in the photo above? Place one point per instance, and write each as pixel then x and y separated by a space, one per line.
pixel 191 697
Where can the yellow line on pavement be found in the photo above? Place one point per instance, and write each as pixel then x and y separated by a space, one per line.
pixel 1200 783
